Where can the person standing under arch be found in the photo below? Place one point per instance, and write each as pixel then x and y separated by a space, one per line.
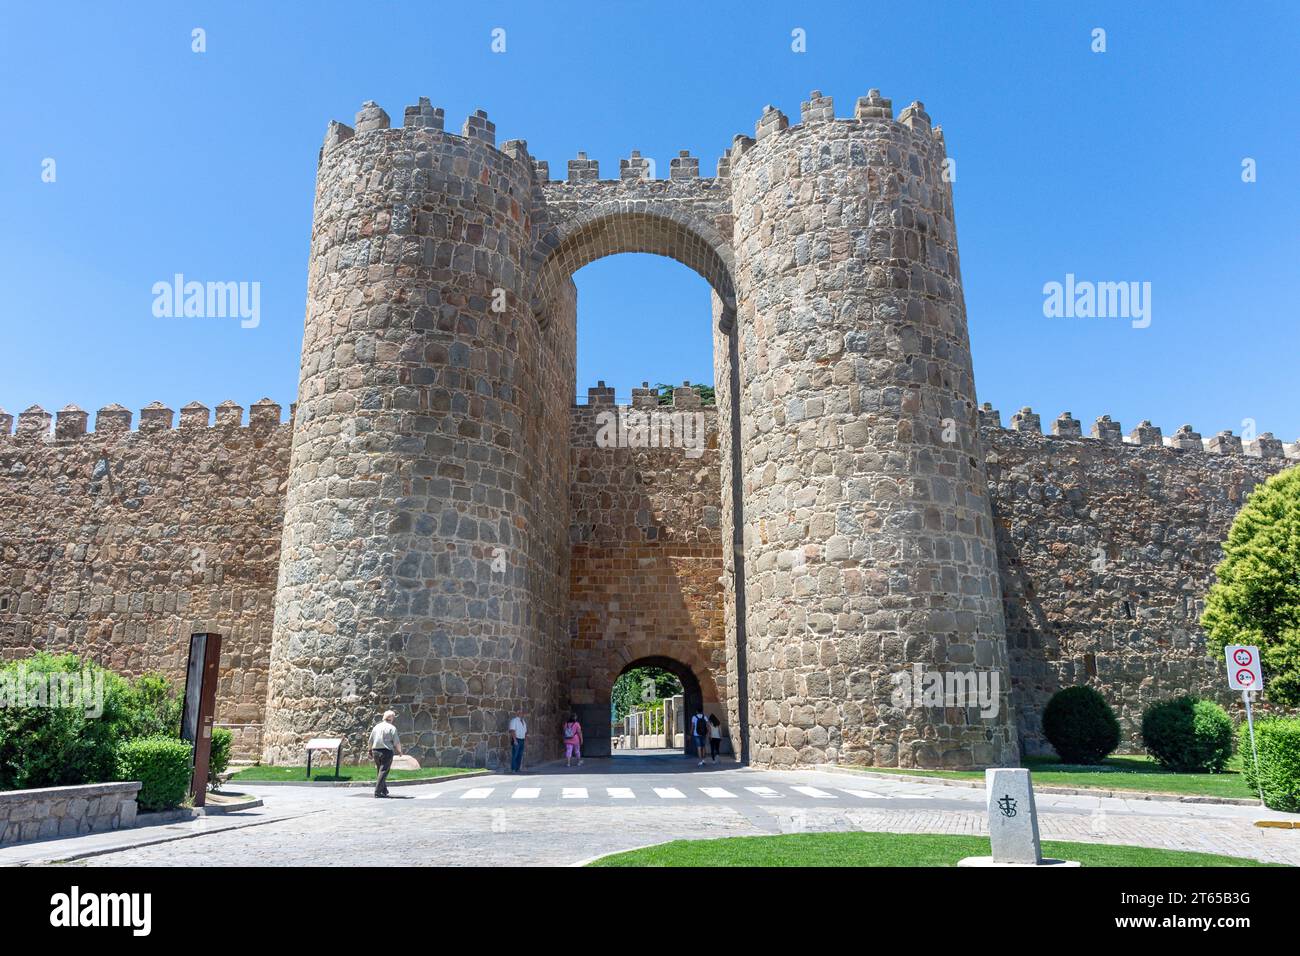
pixel 572 741
pixel 715 736
pixel 699 734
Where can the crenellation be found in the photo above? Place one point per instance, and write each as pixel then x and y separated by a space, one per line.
pixel 112 419
pixel 34 422
pixel 1026 420
pixel 371 117
pixel 71 422
pixel 1185 439
pixel 584 170
pixel 6 424
pixel 1107 431
pixel 478 127
pixel 1067 426
pixel 423 115
pixel 817 108
pixel 264 414
pixel 989 417
pixel 1267 446
pixel 156 417
pixel 873 106
pixel 1146 434
pixel 1224 443
pixel 636 167
pixel 772 121
pixel 337 133
pixel 229 415
pixel 195 415
pixel 600 394
pixel 683 166
pixel 915 118
pixel 645 396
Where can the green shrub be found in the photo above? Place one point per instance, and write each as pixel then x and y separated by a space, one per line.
pixel 163 765
pixel 1080 725
pixel 151 708
pixel 1278 740
pixel 72 740
pixel 1188 735
pixel 51 743
pixel 223 738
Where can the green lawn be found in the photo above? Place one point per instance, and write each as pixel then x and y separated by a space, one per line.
pixel 1115 773
pixel 888 849
pixel 358 773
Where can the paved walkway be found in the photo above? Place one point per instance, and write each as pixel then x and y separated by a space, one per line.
pixel 559 816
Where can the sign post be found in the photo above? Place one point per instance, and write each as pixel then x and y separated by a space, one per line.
pixel 1245 675
pixel 200 707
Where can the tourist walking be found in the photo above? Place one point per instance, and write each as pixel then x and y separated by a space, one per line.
pixel 572 741
pixel 518 731
pixel 384 742
pixel 715 736
pixel 699 734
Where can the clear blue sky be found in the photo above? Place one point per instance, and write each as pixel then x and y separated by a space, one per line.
pixel 1117 166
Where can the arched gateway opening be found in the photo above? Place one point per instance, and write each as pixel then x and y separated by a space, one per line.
pixel 653 556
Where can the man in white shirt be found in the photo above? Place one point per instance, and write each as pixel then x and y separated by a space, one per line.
pixel 518 731
pixel 384 743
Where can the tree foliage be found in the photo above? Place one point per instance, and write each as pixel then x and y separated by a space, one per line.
pixel 1256 599
pixel 631 687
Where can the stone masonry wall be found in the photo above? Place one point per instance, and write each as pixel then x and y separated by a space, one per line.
pixel 646 551
pixel 1107 549
pixel 118 544
pixel 66 811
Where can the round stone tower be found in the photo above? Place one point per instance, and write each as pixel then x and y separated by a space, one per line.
pixel 868 538
pixel 422 565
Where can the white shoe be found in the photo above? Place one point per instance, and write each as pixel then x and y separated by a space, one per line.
pixel 700 764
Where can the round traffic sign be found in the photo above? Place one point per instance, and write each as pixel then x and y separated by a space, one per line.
pixel 1243 657
pixel 1245 677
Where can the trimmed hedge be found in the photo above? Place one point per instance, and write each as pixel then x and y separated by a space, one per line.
pixel 1080 725
pixel 1278 740
pixel 223 739
pixel 1188 735
pixel 163 765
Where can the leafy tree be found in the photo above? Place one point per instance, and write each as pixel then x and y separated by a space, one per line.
pixel 1256 599
pixel 666 393
pixel 630 688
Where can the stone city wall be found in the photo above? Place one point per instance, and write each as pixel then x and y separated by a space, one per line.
pixel 118 544
pixel 66 811
pixel 1107 547
pixel 646 560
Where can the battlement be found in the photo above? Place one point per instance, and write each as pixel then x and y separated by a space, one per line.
pixel 1143 435
pixel 113 421
pixel 872 109
pixel 684 398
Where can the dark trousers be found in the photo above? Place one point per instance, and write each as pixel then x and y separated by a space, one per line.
pixel 715 744
pixel 516 755
pixel 383 763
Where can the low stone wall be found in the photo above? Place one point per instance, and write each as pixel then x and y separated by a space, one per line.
pixel 66 811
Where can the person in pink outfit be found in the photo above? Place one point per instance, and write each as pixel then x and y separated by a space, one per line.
pixel 572 741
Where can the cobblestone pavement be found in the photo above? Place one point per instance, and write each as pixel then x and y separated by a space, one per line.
pixel 559 816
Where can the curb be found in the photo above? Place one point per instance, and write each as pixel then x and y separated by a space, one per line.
pixel 370 784
pixel 631 849
pixel 1048 788
pixel 170 838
